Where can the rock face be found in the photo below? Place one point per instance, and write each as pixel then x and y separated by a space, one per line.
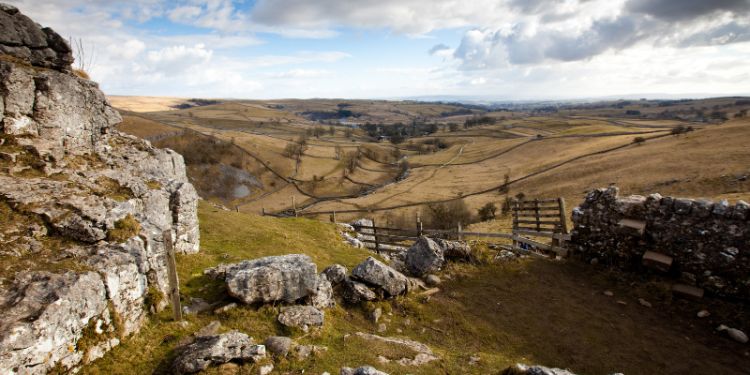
pixel 376 273
pixel 276 278
pixel 215 350
pixel 79 196
pixel 703 242
pixel 425 256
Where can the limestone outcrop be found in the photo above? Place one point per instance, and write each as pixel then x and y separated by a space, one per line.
pixel 83 210
pixel 284 278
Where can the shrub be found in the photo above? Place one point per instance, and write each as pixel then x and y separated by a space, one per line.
pixel 487 212
pixel 448 215
pixel 81 74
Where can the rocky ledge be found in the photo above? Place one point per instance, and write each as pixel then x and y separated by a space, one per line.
pixel 83 210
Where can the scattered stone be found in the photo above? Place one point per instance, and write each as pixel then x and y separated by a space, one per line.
pixel 215 350
pixel 301 317
pixel 621 302
pixel 734 333
pixel 335 273
pixel 424 353
pixel 375 314
pixel 382 327
pixel 302 352
pixel 265 369
pixel 355 292
pixel 703 314
pixel 225 308
pixel 520 369
pixel 474 360
pixel 608 293
pixel 644 303
pixel 432 280
pixel 278 345
pixel 687 291
pixel 211 329
pixel 196 306
pixel 364 370
pixel 374 272
pixel 275 278
pixel 425 256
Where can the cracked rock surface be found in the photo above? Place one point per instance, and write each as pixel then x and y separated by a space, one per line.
pixel 83 210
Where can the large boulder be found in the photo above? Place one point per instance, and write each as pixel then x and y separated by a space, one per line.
pixel 374 272
pixel 284 278
pixel 425 256
pixel 301 317
pixel 215 350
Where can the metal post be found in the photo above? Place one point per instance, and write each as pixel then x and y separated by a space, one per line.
pixel 174 284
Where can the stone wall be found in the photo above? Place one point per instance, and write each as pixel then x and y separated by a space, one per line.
pixel 703 244
pixel 83 209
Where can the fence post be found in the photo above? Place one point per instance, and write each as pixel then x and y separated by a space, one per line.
pixel 563 215
pixel 515 209
pixel 263 211
pixel 536 215
pixel 333 217
pixel 174 285
pixel 419 226
pixel 375 235
pixel 460 236
pixel 237 208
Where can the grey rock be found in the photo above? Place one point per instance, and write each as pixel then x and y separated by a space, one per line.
pixel 432 280
pixel 376 273
pixel 335 273
pixel 302 352
pixel 376 314
pixel 279 345
pixel 301 317
pixel 322 298
pixel 211 329
pixel 363 370
pixel 276 278
pixel 425 256
pixel 520 369
pixel 215 350
pixel 265 369
pixel 355 292
pixel 458 250
pixel 23 39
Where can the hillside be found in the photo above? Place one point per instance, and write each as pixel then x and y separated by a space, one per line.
pixel 565 153
pixel 529 310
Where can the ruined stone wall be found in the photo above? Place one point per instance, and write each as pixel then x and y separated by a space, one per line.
pixel 701 243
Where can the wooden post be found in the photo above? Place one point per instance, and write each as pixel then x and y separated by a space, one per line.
pixel 460 236
pixel 237 208
pixel 515 209
pixel 563 215
pixel 333 217
pixel 263 211
pixel 536 215
pixel 375 235
pixel 174 285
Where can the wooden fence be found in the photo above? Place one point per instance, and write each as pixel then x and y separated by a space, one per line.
pixel 532 220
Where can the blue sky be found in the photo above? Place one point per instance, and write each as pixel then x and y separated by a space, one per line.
pixel 498 49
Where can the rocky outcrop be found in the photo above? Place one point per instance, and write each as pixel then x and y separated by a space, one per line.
pixel 215 350
pixel 284 278
pixel 87 210
pixel 703 243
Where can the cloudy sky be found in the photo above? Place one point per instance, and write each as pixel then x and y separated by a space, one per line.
pixel 501 49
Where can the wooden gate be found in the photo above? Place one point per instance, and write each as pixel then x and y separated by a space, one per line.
pixel 540 218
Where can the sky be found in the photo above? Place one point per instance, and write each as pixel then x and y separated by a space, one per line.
pixel 486 49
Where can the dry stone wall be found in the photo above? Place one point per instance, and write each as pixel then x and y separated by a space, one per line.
pixel 705 244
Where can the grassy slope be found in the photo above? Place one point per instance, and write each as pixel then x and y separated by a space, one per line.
pixel 530 311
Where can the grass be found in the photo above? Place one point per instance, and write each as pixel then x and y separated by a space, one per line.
pixel 125 229
pixel 531 311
